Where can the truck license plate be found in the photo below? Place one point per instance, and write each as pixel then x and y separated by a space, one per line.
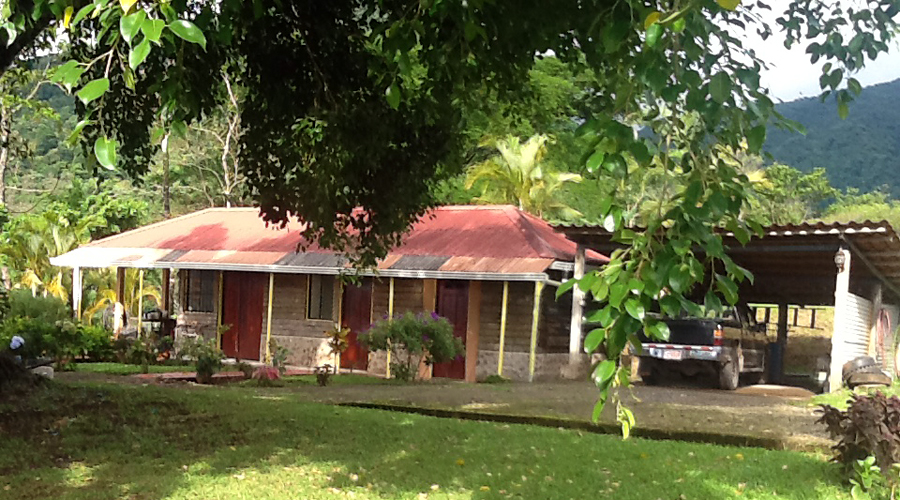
pixel 673 355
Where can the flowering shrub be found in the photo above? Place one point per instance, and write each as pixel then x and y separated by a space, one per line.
pixel 206 356
pixel 61 341
pixel 266 375
pixel 410 337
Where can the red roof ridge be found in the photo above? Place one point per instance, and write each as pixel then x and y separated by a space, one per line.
pixel 538 243
pixel 155 225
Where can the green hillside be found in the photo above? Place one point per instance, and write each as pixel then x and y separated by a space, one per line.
pixel 862 151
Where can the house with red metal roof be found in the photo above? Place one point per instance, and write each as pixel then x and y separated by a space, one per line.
pixel 490 270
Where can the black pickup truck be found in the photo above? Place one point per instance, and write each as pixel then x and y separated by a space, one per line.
pixel 725 347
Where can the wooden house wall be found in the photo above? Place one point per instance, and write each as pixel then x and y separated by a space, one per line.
pixel 408 296
pixel 520 305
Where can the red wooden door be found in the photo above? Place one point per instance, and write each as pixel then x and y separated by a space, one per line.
pixel 242 308
pixel 356 314
pixel 453 304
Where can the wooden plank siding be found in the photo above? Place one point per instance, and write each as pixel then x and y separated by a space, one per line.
pixel 518 316
pixel 408 296
pixel 556 318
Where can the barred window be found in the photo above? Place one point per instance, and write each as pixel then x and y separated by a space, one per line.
pixel 320 302
pixel 200 291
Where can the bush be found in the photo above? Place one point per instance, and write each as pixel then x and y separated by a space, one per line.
pixel 47 309
pixel 279 355
pixel 62 341
pixel 207 357
pixel 412 336
pixel 869 427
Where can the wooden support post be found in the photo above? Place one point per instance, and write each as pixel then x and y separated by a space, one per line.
pixel 575 327
pixel 269 319
pixel 503 309
pixel 387 369
pixel 777 370
pixel 219 302
pixel 119 313
pixel 796 316
pixel 140 311
pixel 77 292
pixel 842 317
pixel 429 304
pixel 535 320
pixel 473 328
pixel 877 304
pixel 812 318
pixel 166 293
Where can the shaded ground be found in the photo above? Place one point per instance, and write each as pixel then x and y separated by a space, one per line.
pixel 674 408
pixel 178 442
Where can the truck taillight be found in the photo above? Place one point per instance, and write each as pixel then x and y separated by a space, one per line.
pixel 718 335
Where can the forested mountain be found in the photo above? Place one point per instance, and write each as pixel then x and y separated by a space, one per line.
pixel 862 151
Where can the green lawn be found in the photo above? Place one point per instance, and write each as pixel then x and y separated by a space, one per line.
pixel 841 398
pixel 109 441
pixel 123 369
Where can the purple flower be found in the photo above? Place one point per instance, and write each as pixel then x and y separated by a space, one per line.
pixel 16 342
pixel 435 316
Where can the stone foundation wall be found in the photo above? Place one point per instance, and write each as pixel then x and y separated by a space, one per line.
pixel 306 351
pixel 196 323
pixel 377 363
pixel 546 366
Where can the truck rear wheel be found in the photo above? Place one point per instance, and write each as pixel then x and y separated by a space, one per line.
pixel 729 374
pixel 649 371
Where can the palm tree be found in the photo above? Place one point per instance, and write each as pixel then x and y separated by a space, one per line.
pixel 516 176
pixel 30 241
pixel 100 293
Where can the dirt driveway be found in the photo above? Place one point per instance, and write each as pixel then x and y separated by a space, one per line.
pixel 674 408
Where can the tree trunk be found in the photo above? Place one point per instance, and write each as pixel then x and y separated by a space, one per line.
pixel 167 212
pixel 4 152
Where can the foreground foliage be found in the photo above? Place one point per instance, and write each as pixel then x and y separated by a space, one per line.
pixel 95 442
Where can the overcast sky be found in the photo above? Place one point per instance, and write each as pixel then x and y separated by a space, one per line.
pixel 792 76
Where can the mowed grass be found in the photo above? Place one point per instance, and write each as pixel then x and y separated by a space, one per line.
pixel 124 369
pixel 841 399
pixel 106 441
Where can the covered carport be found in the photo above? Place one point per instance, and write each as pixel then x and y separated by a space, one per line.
pixel 854 267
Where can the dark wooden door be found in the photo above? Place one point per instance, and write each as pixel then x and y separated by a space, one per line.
pixel 453 304
pixel 242 308
pixel 356 314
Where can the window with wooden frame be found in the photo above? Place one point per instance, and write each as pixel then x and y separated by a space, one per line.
pixel 200 291
pixel 320 297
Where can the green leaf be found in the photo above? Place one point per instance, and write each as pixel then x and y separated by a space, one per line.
pixel 392 94
pixel 76 132
pixel 635 309
pixel 617 292
pixel 720 87
pixel 854 86
pixel 756 137
pixel 130 25
pixel 139 53
pixel 82 13
pixel 593 339
pixel 598 407
pixel 595 160
pixel 93 89
pixel 604 372
pixel 188 31
pixel 653 34
pixel 152 29
pixel 658 330
pixel 105 151
pixel 728 4
pixel 565 287
pixel 843 110
pixel 728 288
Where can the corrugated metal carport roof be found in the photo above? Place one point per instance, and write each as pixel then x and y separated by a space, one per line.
pixel 465 242
pixel 795 262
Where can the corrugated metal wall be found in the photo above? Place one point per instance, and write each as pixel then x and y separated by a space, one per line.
pixel 853 331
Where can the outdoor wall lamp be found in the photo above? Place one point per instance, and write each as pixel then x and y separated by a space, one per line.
pixel 840 260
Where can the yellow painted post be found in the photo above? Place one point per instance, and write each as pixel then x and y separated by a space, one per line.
pixel 387 371
pixel 269 318
pixel 219 303
pixel 503 326
pixel 535 316
pixel 140 312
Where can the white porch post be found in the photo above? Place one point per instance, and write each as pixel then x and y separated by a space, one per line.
pixel 841 316
pixel 77 291
pixel 575 328
pixel 119 311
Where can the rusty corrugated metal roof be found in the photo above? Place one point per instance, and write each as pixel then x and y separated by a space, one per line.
pixel 484 240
